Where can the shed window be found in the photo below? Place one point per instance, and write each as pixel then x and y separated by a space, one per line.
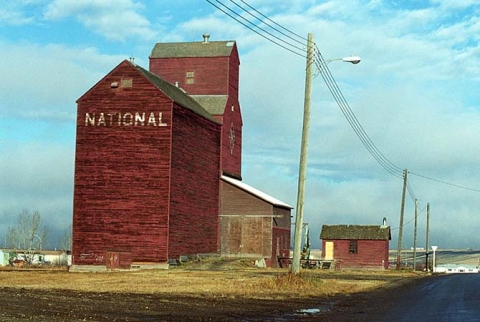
pixel 190 77
pixel 353 249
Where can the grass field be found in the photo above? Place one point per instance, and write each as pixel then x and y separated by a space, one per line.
pixel 210 277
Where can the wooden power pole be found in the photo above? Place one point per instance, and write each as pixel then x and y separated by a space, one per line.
pixel 426 242
pixel 302 175
pixel 402 212
pixel 415 237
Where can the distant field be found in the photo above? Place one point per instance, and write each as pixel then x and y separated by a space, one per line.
pixel 442 256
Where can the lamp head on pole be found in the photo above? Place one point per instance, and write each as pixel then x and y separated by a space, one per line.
pixel 352 59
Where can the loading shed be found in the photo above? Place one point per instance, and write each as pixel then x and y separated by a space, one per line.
pixel 253 223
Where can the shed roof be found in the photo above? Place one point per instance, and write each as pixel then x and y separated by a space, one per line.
pixel 176 94
pixel 192 49
pixel 257 193
pixel 214 104
pixel 369 232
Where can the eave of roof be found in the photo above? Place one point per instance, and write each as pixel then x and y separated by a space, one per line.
pixel 193 49
pixel 255 192
pixel 369 232
pixel 214 104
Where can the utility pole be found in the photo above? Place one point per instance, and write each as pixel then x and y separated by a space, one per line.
pixel 415 236
pixel 302 175
pixel 402 212
pixel 426 242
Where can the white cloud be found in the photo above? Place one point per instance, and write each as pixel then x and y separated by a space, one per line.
pixel 14 13
pixel 54 75
pixel 115 20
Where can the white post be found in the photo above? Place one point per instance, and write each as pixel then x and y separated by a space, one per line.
pixel 434 248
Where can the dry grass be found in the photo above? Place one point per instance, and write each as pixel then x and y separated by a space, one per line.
pixel 232 281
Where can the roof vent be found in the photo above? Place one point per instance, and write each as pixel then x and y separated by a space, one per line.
pixel 205 38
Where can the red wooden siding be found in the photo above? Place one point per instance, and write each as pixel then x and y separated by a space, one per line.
pixel 211 73
pixel 147 186
pixel 233 73
pixel 195 185
pixel 213 76
pixel 370 254
pixel 121 173
pixel 232 139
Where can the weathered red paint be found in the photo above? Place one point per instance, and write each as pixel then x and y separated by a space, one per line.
pixel 142 189
pixel 213 76
pixel 371 253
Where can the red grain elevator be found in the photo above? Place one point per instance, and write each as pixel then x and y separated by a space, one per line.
pixel 147 169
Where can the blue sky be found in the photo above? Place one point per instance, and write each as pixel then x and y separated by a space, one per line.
pixel 415 94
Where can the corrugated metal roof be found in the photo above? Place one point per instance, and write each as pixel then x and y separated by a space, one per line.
pixel 176 94
pixel 257 193
pixel 355 232
pixel 214 104
pixel 192 49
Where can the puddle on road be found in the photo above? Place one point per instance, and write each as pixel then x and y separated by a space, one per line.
pixel 304 313
pixel 309 311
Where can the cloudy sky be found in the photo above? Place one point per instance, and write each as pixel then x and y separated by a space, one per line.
pixel 415 94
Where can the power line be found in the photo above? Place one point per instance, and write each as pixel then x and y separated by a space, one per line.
pixel 444 182
pixel 352 119
pixel 273 22
pixel 332 85
pixel 257 32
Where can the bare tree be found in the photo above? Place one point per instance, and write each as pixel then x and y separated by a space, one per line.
pixel 66 245
pixel 66 239
pixel 28 234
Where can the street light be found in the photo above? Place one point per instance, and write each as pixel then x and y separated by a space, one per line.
pixel 302 176
pixel 434 248
pixel 349 59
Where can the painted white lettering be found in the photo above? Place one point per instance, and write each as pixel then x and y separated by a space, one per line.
pixel 128 116
pixel 101 120
pixel 139 118
pixel 151 120
pixel 89 119
pixel 160 123
pixel 110 119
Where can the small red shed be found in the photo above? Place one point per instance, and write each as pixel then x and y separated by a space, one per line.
pixel 356 246
pixel 146 172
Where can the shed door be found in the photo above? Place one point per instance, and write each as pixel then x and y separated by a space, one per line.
pixel 329 250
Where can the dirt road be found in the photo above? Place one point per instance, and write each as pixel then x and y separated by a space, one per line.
pixel 23 304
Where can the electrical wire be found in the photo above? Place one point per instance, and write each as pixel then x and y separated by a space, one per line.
pixel 301 40
pixel 328 78
pixel 444 182
pixel 276 42
pixel 352 119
